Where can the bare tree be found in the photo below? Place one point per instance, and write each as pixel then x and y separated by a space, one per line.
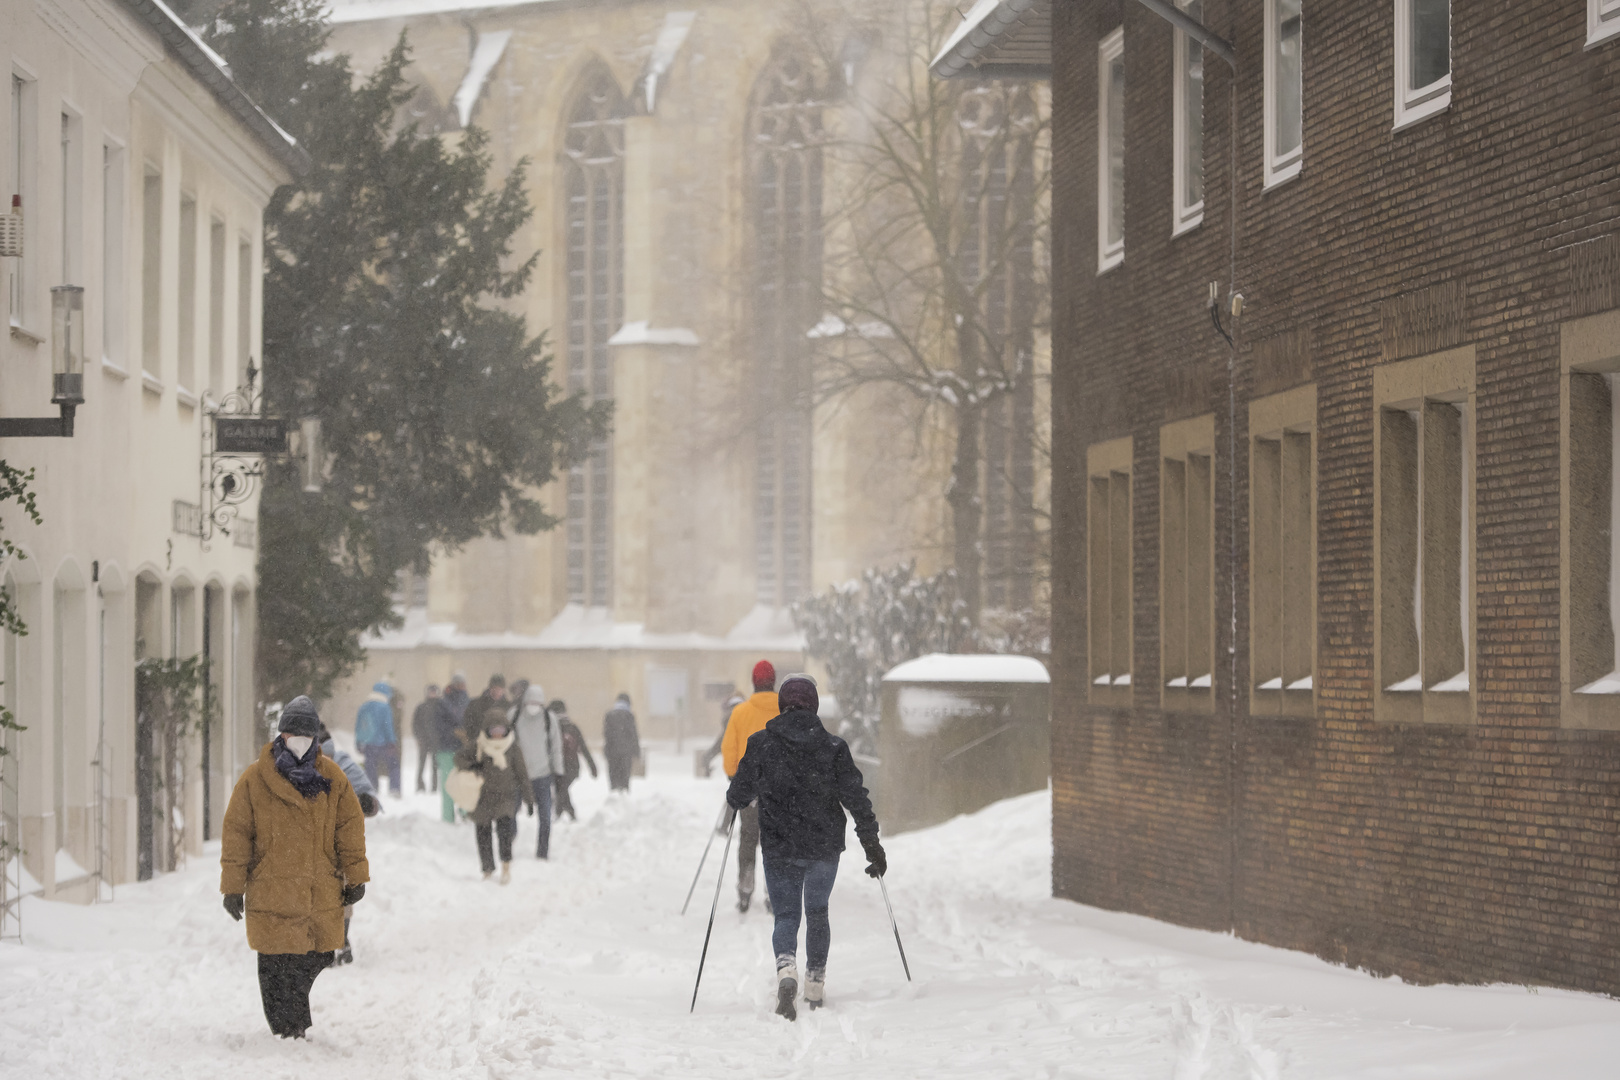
pixel 933 267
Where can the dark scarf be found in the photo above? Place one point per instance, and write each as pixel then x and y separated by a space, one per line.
pixel 301 774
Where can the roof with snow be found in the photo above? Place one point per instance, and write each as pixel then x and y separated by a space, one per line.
pixel 1000 39
pixel 210 69
pixel 347 11
pixel 969 668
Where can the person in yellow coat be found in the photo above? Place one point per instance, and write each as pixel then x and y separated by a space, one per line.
pixel 292 854
pixel 747 718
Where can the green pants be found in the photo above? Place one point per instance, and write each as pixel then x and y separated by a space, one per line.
pixel 446 761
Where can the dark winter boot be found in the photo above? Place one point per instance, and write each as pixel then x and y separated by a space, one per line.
pixel 344 955
pixel 813 980
pixel 743 900
pixel 787 987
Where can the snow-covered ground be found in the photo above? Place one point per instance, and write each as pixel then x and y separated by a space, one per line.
pixel 584 966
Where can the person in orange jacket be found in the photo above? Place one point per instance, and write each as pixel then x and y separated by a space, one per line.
pixel 747 718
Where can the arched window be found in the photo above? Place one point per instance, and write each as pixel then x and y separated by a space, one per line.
pixel 593 221
pixel 784 176
pixel 998 259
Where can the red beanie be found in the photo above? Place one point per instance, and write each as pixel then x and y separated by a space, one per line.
pixel 764 676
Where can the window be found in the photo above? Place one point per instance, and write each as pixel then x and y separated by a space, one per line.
pixel 785 138
pixel 186 352
pixel 216 308
pixel 1424 525
pixel 1108 531
pixel 1422 59
pixel 1602 20
pixel 22 186
pixel 1188 124
pixel 997 257
pixel 1590 571
pixel 1111 151
pixel 152 274
pixel 244 309
pixel 72 231
pixel 1187 564
pixel 1282 553
pixel 112 254
pixel 594 225
pixel 1284 76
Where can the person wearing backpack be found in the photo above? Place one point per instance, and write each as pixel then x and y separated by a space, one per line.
pixel 539 736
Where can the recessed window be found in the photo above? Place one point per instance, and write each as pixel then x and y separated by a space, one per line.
pixel 1424 479
pixel 112 254
pixel 1187 564
pixel 152 273
pixel 1602 20
pixel 1422 59
pixel 1284 78
pixel 216 308
pixel 1111 151
pixel 22 184
pixel 1108 528
pixel 1282 553
pixel 244 308
pixel 187 298
pixel 1188 124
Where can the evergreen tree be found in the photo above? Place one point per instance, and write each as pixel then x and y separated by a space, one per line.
pixel 385 266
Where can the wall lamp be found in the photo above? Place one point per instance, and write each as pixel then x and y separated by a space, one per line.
pixel 67 370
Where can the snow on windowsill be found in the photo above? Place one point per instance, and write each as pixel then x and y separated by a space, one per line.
pixel 1307 683
pixel 641 332
pixel 1609 684
pixel 764 629
pixel 1413 685
pixel 1457 684
pixel 971 668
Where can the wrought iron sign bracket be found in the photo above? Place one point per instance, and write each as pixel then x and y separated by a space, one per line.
pixel 236 440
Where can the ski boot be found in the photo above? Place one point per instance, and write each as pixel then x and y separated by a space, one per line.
pixel 813 983
pixel 787 987
pixel 506 873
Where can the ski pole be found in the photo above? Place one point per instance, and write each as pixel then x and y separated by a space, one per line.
pixel 723 808
pixel 892 925
pixel 712 909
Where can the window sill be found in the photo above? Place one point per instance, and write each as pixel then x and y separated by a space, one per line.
pixel 185 397
pixel 1597 35
pixel 110 368
pixel 25 335
pixel 1278 175
pixel 1106 263
pixel 1408 114
pixel 1193 219
pixel 151 383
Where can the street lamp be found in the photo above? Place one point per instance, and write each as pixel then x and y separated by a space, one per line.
pixel 67 370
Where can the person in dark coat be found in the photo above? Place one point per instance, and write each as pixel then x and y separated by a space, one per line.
pixel 573 745
pixel 455 696
pixel 425 724
pixel 496 756
pixel 804 779
pixel 620 743
pixel 494 694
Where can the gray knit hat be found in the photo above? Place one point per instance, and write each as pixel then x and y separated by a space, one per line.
pixel 298 717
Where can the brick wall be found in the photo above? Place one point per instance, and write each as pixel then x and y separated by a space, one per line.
pixel 1480 852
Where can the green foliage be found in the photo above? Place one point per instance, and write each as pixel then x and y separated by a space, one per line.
pixel 14 487
pixel 440 419
pixel 171 693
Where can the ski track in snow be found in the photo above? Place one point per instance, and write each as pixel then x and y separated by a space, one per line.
pixel 584 966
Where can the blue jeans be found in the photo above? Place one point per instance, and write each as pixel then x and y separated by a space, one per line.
pixel 542 814
pixel 790 882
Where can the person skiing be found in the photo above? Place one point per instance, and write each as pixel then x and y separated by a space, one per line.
pixel 374 735
pixel 747 718
pixel 496 756
pixel 573 745
pixel 720 737
pixel 541 741
pixel 425 723
pixel 620 743
pixel 292 856
pixel 370 806
pixel 804 779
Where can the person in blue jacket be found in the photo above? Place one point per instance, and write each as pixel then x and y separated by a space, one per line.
pixel 369 806
pixel 376 737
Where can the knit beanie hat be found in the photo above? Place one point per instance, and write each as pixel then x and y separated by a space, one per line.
pixel 764 676
pixel 798 692
pixel 298 717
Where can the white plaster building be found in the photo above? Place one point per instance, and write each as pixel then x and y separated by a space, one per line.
pixel 144 173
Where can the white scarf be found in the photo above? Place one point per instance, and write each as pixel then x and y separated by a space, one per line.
pixel 495 749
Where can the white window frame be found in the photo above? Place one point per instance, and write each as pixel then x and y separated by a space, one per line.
pixel 1111 48
pixel 1185 215
pixel 1280 168
pixel 1602 21
pixel 1414 105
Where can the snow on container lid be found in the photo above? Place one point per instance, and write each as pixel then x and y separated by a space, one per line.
pixel 969 668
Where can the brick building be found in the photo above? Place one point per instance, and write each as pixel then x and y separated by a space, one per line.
pixel 1335 607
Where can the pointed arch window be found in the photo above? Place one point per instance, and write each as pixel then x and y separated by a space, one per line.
pixel 784 176
pixel 997 254
pixel 593 225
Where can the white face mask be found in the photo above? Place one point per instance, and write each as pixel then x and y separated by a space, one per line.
pixel 298 744
pixel 534 709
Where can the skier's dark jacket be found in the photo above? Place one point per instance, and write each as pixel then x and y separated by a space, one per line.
pixel 804 779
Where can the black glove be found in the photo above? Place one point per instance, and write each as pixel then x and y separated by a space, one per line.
pixel 352 894
pixel 369 805
pixel 234 904
pixel 877 865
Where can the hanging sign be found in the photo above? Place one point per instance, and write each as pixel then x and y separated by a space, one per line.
pixel 249 435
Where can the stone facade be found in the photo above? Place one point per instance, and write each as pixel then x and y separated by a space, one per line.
pixel 1429 315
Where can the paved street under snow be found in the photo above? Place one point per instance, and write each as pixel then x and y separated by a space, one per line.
pixel 584 965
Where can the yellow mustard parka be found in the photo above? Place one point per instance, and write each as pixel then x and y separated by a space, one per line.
pixel 292 856
pixel 747 718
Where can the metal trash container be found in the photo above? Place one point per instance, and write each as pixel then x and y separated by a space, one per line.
pixel 958 733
